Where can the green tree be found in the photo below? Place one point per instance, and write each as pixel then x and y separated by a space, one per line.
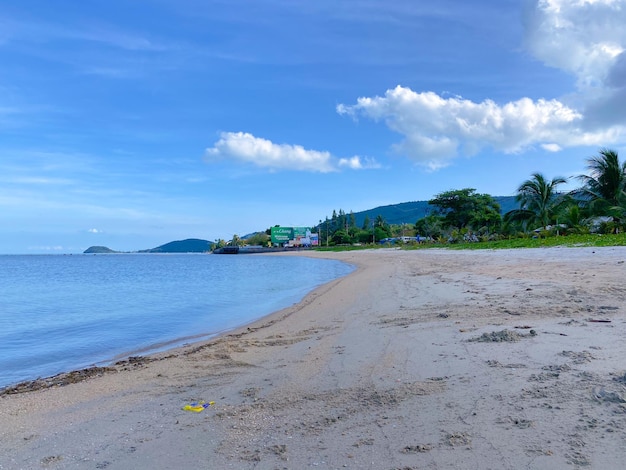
pixel 539 200
pixel 380 233
pixel 573 217
pixel 363 236
pixel 429 226
pixel 260 238
pixel 353 232
pixel 341 237
pixel 381 228
pixel 463 208
pixel 604 188
pixel 342 221
pixel 402 230
pixel 366 223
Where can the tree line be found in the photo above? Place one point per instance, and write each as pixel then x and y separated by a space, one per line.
pixel 597 205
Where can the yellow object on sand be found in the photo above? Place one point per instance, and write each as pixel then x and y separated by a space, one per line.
pixel 198 406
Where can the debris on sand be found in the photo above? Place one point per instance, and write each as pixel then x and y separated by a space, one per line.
pixel 578 357
pixel 458 439
pixel 419 448
pixel 58 380
pixel 500 336
pixel 611 396
pixel 621 379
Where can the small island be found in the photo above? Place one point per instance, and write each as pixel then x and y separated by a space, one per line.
pixel 99 250
pixel 190 245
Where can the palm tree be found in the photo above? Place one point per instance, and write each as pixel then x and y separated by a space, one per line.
pixel 604 188
pixel 573 217
pixel 380 221
pixel 539 200
pixel 236 241
pixel 381 228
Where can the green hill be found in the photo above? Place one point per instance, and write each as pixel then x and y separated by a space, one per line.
pixel 411 212
pixel 190 245
pixel 99 250
pixel 402 213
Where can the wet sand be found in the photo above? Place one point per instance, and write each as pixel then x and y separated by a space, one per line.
pixel 428 359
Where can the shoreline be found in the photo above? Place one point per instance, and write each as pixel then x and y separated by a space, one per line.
pixel 417 359
pixel 154 352
pixel 83 366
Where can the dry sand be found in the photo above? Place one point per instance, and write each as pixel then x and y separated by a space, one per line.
pixel 396 366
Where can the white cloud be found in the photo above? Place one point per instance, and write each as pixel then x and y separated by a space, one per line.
pixel 358 163
pixel 246 148
pixel 587 39
pixel 552 147
pixel 584 38
pixel 94 230
pixel 437 129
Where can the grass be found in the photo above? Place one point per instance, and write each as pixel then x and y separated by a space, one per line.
pixel 590 240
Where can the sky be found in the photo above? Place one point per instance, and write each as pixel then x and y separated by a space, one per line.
pixel 130 124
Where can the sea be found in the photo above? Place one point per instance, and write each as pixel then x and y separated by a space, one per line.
pixel 66 312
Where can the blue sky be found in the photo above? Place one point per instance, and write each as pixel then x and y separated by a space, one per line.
pixel 132 124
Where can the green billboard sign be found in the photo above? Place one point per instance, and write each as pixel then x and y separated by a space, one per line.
pixel 294 236
pixel 300 232
pixel 281 235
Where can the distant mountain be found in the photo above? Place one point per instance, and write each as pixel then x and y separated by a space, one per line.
pixel 507 203
pixel 402 213
pixel 190 245
pixel 99 250
pixel 411 212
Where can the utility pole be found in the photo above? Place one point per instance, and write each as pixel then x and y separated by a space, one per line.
pixel 318 227
pixel 326 231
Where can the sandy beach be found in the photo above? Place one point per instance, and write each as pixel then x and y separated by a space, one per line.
pixel 428 359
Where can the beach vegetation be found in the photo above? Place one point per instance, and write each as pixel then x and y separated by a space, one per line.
pixel 259 238
pixel 541 215
pixel 341 237
pixel 465 208
pixel 573 240
pixel 381 223
pixel 603 190
pixel 430 226
pixel 363 236
pixel 498 243
pixel 236 241
pixel 540 201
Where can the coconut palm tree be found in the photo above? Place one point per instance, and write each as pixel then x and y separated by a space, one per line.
pixel 236 241
pixel 539 200
pixel 604 188
pixel 573 217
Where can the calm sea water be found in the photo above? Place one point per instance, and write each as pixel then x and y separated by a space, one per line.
pixel 60 313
